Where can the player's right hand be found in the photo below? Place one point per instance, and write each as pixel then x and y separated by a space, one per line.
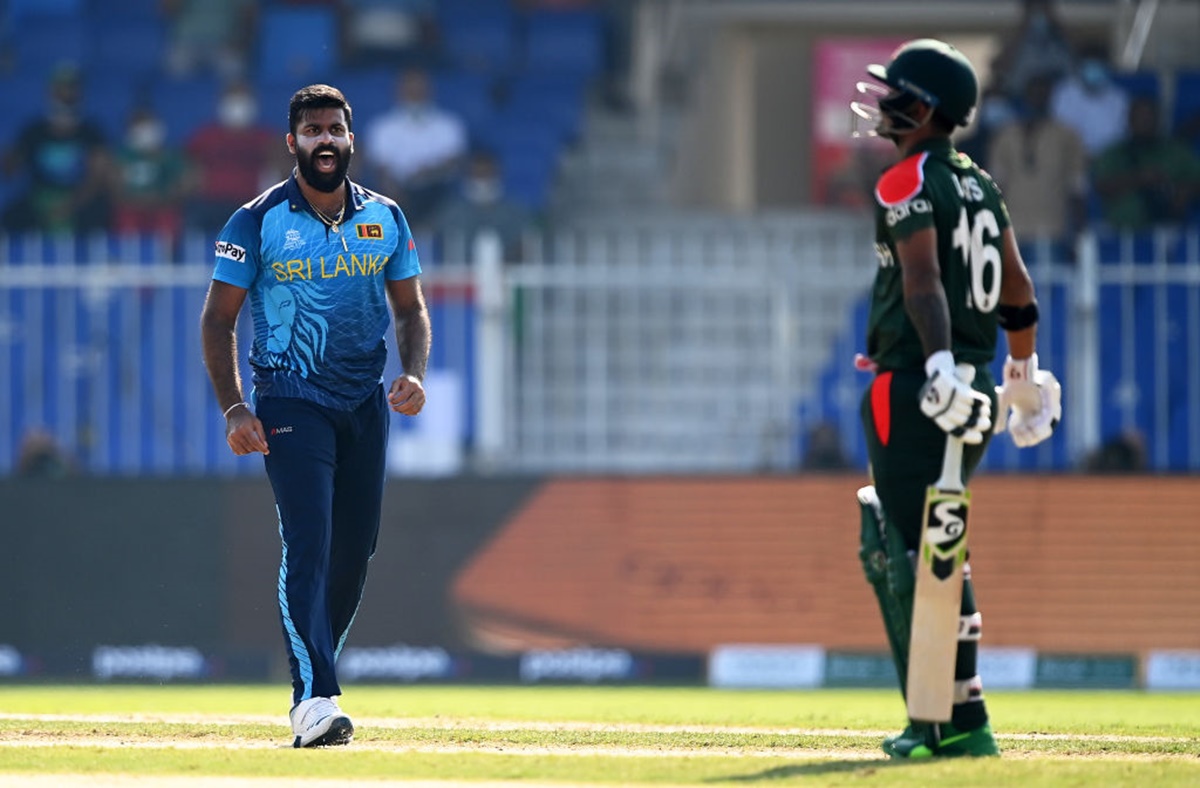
pixel 948 399
pixel 244 432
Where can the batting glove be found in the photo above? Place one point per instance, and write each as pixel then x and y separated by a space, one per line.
pixel 948 399
pixel 1030 401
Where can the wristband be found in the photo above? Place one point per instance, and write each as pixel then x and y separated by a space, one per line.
pixel 231 407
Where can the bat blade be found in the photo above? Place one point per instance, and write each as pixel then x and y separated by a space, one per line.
pixel 937 602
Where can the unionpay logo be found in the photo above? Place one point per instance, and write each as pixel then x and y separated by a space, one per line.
pixel 231 251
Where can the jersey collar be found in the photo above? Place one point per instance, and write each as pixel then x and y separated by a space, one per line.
pixel 938 146
pixel 298 202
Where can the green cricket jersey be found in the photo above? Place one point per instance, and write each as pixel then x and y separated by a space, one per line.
pixel 936 186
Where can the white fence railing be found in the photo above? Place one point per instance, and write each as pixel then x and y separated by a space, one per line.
pixel 687 346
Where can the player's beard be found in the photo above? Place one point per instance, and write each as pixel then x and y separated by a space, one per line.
pixel 324 181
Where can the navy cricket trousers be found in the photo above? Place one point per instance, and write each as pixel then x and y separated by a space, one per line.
pixel 326 469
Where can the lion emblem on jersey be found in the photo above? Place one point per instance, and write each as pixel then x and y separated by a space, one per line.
pixel 296 331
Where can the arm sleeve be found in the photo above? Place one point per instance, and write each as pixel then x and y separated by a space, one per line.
pixel 404 263
pixel 239 250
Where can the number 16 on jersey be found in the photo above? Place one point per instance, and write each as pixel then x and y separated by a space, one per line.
pixel 941 558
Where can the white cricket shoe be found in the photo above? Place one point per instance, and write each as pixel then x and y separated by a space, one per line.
pixel 318 722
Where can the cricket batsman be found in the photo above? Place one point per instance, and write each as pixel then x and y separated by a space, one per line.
pixel 950 275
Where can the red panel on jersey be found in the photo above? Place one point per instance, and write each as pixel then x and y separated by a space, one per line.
pixel 881 406
pixel 901 181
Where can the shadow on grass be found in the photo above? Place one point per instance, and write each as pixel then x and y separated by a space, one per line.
pixel 864 768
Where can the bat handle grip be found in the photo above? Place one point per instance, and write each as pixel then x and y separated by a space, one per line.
pixel 951 478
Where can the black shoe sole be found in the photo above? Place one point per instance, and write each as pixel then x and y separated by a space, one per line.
pixel 341 731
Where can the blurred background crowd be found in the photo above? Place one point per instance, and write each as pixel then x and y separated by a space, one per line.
pixel 160 115
pixel 649 138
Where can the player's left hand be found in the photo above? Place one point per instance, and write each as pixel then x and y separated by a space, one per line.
pixel 1030 402
pixel 406 395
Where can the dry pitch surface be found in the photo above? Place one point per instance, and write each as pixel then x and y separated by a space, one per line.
pixel 398 735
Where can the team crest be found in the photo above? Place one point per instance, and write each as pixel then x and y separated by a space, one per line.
pixel 370 231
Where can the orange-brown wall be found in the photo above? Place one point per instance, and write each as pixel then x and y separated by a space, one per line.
pixel 1061 563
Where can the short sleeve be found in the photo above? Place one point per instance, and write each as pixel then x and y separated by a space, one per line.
pixel 900 195
pixel 404 263
pixel 238 250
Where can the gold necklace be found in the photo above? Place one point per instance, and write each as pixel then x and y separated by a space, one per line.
pixel 334 224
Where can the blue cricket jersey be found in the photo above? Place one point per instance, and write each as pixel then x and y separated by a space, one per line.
pixel 319 307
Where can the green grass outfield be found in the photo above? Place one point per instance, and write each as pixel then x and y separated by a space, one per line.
pixel 233 735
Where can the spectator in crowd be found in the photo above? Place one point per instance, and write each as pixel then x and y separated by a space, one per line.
pixel 823 450
pixel 150 180
pixel 66 161
pixel 233 156
pixel 391 32
pixel 481 206
pixel 1147 178
pixel 1041 165
pixel 995 112
pixel 40 457
pixel 210 35
pixel 1089 101
pixel 1039 46
pixel 1124 452
pixel 415 150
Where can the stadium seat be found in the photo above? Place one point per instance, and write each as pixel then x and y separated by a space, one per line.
pixel 370 91
pixel 567 42
pixel 185 104
pixel 44 42
pixel 132 47
pixel 125 9
pixel 1186 107
pixel 1139 83
pixel 558 98
pixel 483 42
pixel 298 44
pixel 109 99
pixel 467 94
pixel 20 11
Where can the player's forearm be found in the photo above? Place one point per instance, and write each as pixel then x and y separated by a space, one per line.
pixel 930 315
pixel 1022 344
pixel 220 358
pixel 413 340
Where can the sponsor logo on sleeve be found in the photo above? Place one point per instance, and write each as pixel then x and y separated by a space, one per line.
pixel 900 212
pixel 373 232
pixel 231 251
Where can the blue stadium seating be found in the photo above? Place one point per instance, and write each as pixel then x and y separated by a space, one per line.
pixel 528 151
pixel 468 95
pixel 1140 83
pixel 564 42
pixel 483 40
pixel 109 99
pixel 44 42
pixel 556 97
pixel 133 47
pixel 1187 98
pixel 185 104
pixel 22 11
pixel 298 45
pixel 370 91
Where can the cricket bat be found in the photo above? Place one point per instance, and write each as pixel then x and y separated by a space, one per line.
pixel 937 600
